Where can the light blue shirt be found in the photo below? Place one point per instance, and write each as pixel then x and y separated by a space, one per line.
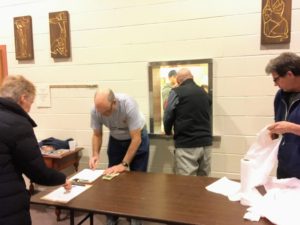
pixel 124 118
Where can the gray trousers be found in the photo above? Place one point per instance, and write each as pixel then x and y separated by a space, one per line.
pixel 193 161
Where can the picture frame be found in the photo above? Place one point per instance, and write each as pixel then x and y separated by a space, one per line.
pixel 158 77
pixel 276 21
pixel 23 38
pixel 59 26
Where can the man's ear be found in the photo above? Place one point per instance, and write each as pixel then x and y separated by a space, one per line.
pixel 290 73
pixel 22 99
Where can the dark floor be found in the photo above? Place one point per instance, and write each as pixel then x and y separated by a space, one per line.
pixel 44 215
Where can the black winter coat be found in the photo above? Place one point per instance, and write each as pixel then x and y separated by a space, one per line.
pixel 19 154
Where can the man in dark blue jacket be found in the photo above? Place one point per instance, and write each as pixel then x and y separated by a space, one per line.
pixel 19 152
pixel 285 70
pixel 189 111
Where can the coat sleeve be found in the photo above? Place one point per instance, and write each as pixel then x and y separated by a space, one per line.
pixel 169 113
pixel 28 158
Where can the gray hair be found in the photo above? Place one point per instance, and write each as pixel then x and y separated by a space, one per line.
pixel 14 87
pixel 111 96
pixel 283 63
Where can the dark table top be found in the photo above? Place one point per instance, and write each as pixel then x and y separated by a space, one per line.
pixel 158 197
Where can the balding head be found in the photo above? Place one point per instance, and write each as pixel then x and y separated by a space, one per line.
pixel 183 74
pixel 105 101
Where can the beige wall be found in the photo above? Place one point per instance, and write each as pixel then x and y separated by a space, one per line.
pixel 113 41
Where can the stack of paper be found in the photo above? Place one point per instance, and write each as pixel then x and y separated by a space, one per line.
pixel 87 176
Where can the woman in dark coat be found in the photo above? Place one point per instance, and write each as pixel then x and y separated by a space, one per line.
pixel 20 153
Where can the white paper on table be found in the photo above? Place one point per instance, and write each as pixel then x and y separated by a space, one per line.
pixel 279 206
pixel 87 175
pixel 248 198
pixel 224 186
pixel 231 189
pixel 61 195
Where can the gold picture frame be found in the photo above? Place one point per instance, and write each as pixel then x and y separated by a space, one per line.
pixel 158 72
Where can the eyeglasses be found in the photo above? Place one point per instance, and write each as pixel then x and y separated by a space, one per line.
pixel 275 79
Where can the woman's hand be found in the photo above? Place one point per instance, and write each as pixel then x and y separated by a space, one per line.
pixel 68 185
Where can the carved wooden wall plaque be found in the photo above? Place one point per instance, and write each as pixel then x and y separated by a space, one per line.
pixel 59 34
pixel 276 21
pixel 23 37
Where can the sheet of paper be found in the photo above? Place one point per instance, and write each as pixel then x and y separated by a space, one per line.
pixel 224 186
pixel 87 175
pixel 279 206
pixel 61 195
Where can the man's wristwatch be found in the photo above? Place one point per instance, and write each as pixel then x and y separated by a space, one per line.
pixel 125 164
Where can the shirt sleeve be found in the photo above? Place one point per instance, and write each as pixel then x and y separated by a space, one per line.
pixel 135 118
pixel 96 123
pixel 169 113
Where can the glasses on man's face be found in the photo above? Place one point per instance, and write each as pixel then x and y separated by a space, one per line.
pixel 275 79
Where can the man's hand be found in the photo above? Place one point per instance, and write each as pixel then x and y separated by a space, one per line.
pixel 115 169
pixel 283 127
pixel 93 162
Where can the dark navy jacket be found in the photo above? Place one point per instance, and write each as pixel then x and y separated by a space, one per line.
pixel 289 149
pixel 19 154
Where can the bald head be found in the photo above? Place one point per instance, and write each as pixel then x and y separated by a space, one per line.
pixel 183 74
pixel 104 101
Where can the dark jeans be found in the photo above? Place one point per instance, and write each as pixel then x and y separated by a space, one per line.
pixel 117 150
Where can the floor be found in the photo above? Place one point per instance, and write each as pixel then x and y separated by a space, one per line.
pixel 44 215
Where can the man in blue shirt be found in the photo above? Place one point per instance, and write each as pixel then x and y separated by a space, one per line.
pixel 128 145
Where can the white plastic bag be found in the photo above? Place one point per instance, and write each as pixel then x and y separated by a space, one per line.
pixel 259 160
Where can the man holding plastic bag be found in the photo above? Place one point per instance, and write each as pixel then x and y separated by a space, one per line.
pixel 285 70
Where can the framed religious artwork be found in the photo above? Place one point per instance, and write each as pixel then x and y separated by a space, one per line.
pixel 276 21
pixel 159 73
pixel 23 38
pixel 59 34
pixel 3 63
